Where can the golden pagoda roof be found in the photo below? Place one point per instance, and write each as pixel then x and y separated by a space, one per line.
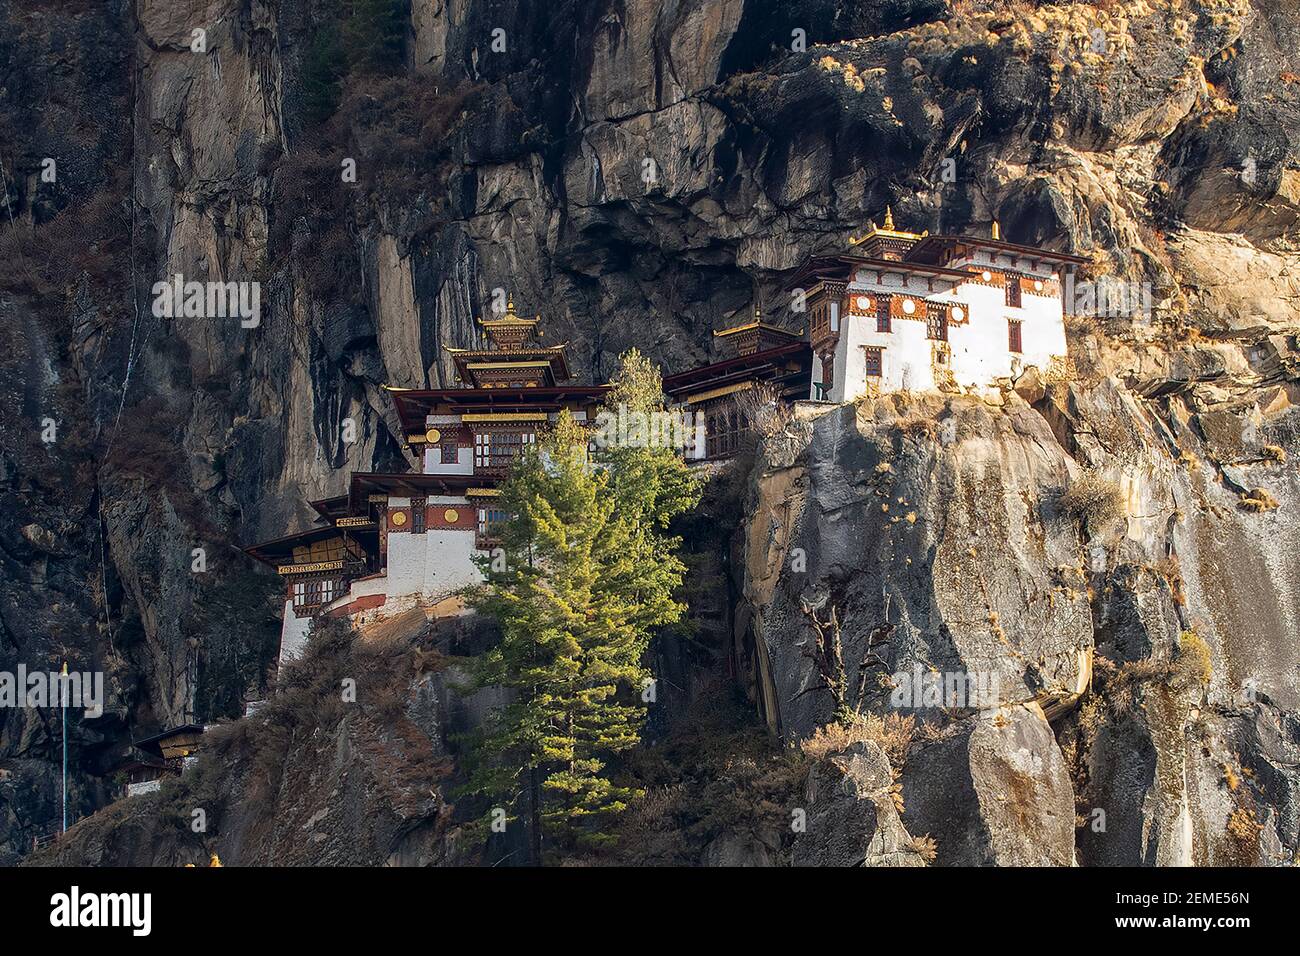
pixel 513 345
pixel 510 318
pixel 527 350
pixel 512 332
pixel 756 323
pixel 887 231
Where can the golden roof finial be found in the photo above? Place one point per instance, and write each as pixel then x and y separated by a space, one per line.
pixel 888 230
pixel 997 230
pixel 758 313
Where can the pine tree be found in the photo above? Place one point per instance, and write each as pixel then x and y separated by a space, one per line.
pixel 374 33
pixel 352 37
pixel 323 70
pixel 589 573
pixel 650 481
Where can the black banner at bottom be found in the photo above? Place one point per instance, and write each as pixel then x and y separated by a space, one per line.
pixel 332 906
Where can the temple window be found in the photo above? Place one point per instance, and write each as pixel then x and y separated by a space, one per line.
pixel 498 448
pixel 725 434
pixel 490 521
pixel 883 321
pixel 1014 340
pixel 936 323
pixel 721 431
pixel 1013 291
pixel 873 360
pixel 315 593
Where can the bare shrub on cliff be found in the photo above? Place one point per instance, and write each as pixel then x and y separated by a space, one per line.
pixel 47 259
pixel 926 846
pixel 767 413
pixel 764 418
pixel 827 654
pixel 1243 831
pixel 918 426
pixel 892 732
pixel 1091 499
pixel 1258 499
pixel 717 773
pixel 1121 685
pixel 1194 661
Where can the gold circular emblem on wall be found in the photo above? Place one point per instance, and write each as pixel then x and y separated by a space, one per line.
pixel 397 519
pixel 433 436
pixel 450 516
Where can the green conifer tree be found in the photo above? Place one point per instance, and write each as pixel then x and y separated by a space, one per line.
pixel 374 32
pixel 589 572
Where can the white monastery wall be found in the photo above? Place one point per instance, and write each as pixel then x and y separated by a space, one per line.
pixel 293 634
pixel 978 350
pixel 464 464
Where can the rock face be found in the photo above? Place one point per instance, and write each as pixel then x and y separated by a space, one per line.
pixel 320 775
pixel 932 522
pixel 1159 636
pixel 852 819
pixel 995 792
pixel 639 174
pixel 928 528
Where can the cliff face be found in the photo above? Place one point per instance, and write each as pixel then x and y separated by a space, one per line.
pixel 639 173
pixel 942 533
pixel 349 764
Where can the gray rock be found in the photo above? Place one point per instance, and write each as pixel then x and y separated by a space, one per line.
pixel 994 791
pixel 851 816
pixel 738 850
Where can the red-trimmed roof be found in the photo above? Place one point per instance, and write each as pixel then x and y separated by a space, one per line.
pixel 330 508
pixel 144 762
pixel 176 731
pixel 839 265
pixel 271 552
pixel 931 249
pixel 552 355
pixel 737 369
pixel 413 405
pixel 413 483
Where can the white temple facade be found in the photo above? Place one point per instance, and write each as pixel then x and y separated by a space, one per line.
pixel 909 311
pixel 395 541
pixel 900 311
